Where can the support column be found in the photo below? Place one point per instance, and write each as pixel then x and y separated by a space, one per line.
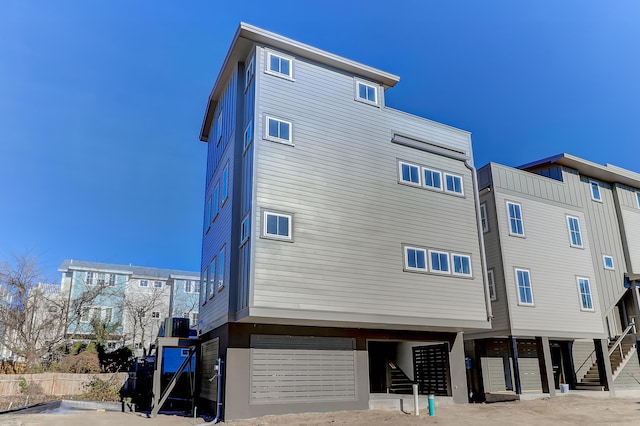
pixel 458 370
pixel 604 365
pixel 546 365
pixel 568 367
pixel 513 349
pixel 157 376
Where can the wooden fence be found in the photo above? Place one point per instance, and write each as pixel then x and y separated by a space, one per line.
pixel 55 383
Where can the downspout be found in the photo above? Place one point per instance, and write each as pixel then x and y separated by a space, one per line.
pixel 460 156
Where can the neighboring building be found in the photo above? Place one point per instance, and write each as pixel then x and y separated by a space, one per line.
pixel 562 250
pixel 132 300
pixel 341 240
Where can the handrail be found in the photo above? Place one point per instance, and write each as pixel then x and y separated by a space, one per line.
pixel 618 343
pixel 589 359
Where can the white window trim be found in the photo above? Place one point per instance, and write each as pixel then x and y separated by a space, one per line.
pixel 444 183
pixel 247 138
pixel 433 188
pixel 581 245
pixel 249 73
pixel 638 199
pixel 492 285
pixel 375 88
pixel 219 286
pixel 157 282
pixel 591 184
pixel 211 278
pixel 582 308
pixel 143 286
pixel 438 271
pixel 520 302
pixel 483 214
pixel 521 219
pixel 266 213
pixel 406 259
pixel 406 182
pixel 268 137
pixel 604 261
pixel 460 274
pixel 267 64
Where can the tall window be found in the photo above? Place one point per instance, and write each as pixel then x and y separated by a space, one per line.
pixel 204 294
pixel 525 295
pixel 221 269
pixel 453 183
pixel 211 277
pixel 409 173
pixel 461 264
pixel 215 203
pixel 278 130
pixel 595 191
pixel 432 178
pixel 492 285
pixel 586 303
pixel 574 231
pixel 439 261
pixel 224 192
pixel 248 73
pixel 415 259
pixel 516 225
pixel 483 217
pixel 219 127
pixel 277 225
pixel 248 135
pixel 279 65
pixel 638 199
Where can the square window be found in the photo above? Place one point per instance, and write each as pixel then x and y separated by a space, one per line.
pixel 595 191
pixel 415 259
pixel 224 190
pixel 439 261
pixel 483 217
pixel 516 224
pixel 157 284
pixel 461 264
pixel 575 236
pixel 366 92
pixel 409 173
pixel 492 285
pixel 453 183
pixel 608 262
pixel 278 130
pixel 584 289
pixel 277 225
pixel 525 295
pixel 248 135
pixel 432 178
pixel 279 65
pixel 144 283
pixel 155 314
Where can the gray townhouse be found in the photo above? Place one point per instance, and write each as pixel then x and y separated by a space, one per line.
pixel 563 258
pixel 342 251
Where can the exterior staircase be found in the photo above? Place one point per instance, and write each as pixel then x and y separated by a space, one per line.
pixel 618 357
pixel 398 380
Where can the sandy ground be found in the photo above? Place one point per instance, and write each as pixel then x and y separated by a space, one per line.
pixel 567 410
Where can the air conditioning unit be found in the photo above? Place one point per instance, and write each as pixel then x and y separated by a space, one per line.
pixel 176 327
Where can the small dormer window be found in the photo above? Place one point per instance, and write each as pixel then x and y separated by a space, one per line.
pixel 366 92
pixel 279 65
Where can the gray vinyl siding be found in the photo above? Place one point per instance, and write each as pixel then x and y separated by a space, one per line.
pixel 493 375
pixel 351 216
pixel 630 217
pixel 584 356
pixel 546 252
pixel 629 377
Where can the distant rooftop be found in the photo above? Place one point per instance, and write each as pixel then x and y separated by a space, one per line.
pixel 142 271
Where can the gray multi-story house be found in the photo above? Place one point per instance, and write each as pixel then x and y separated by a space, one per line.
pixel 562 258
pixel 342 249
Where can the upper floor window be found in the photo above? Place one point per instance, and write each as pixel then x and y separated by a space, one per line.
pixel 215 203
pixel 608 262
pixel 586 302
pixel 492 285
pixel 207 215
pixel 277 225
pixel 278 130
pixel 461 264
pixel 432 178
pixel 144 283
pixel 453 183
pixel 595 191
pixel 525 294
pixel 211 278
pixel 638 199
pixel 248 135
pixel 155 314
pixel 244 229
pixel 516 224
pixel 157 284
pixel 439 261
pixel 366 92
pixel 279 65
pixel 191 286
pixel 219 127
pixel 483 217
pixel 224 190
pixel 409 173
pixel 221 268
pixel 248 73
pixel 204 294
pixel 415 259
pixel 112 279
pixel 574 231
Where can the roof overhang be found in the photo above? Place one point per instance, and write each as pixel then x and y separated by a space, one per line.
pixel 244 39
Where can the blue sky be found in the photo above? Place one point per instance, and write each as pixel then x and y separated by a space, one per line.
pixel 101 102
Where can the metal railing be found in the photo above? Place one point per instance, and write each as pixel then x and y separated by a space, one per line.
pixel 618 344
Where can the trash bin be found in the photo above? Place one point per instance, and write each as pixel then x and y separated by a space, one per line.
pixel 564 388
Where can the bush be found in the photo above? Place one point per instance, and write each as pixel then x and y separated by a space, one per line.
pixel 102 390
pixel 85 362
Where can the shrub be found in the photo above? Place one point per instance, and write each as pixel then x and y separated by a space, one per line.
pixel 102 390
pixel 85 362
pixel 29 388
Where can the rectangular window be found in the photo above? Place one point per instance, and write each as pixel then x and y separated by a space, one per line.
pixel 279 65
pixel 248 135
pixel 409 173
pixel 155 314
pixel 101 278
pixel 453 183
pixel 248 73
pixel 221 269
pixel 215 202
pixel 90 278
pixel 439 261
pixel 492 285
pixel 461 264
pixel 194 318
pixel 574 231
pixel 586 303
pixel 608 262
pixel 516 224
pixel 219 127
pixel 157 284
pixel 207 215
pixel 224 191
pixel 244 229
pixel 277 225
pixel 595 191
pixel 432 178
pixel 415 259
pixel 278 130
pixel 638 199
pixel 144 283
pixel 366 92
pixel 525 295
pixel 483 217
pixel 211 278
pixel 204 295
pixel 112 279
